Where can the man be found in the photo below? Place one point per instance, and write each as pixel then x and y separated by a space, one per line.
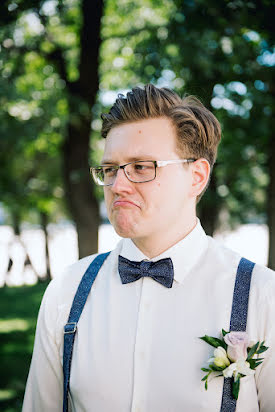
pixel 137 346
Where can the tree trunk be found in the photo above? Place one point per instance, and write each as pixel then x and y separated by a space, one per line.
pixel 15 222
pixel 80 197
pixel 82 96
pixel 44 222
pixel 15 216
pixel 271 207
pixel 271 193
pixel 209 207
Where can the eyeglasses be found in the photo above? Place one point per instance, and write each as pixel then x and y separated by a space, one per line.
pixel 137 172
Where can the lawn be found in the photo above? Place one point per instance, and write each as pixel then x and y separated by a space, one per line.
pixel 18 313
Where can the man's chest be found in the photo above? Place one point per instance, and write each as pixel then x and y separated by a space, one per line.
pixel 142 348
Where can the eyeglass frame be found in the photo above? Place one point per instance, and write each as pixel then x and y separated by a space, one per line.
pixel 157 163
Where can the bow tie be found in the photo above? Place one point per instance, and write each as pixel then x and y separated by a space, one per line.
pixel 162 271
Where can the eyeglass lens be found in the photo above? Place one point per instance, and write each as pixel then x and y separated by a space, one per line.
pixel 137 172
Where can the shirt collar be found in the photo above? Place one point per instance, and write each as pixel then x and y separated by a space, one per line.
pixel 184 254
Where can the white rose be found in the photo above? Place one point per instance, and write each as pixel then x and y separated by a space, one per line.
pixel 237 345
pixel 241 366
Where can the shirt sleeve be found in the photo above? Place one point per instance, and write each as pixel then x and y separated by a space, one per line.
pixel 44 389
pixel 265 375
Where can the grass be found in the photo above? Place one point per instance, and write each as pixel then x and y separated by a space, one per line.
pixel 18 313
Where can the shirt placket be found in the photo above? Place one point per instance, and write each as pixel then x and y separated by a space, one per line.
pixel 142 351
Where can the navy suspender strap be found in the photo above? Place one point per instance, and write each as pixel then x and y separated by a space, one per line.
pixel 75 313
pixel 238 321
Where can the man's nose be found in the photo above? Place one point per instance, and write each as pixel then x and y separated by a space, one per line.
pixel 121 182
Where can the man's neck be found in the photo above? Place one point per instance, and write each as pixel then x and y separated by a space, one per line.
pixel 156 244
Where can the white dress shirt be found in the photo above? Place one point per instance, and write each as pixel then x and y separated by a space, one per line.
pixel 137 347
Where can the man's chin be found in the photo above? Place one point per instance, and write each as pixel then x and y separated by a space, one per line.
pixel 125 231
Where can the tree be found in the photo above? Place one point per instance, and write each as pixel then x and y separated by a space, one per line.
pixel 66 43
pixel 218 51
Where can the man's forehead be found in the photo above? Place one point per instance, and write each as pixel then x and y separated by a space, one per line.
pixel 127 151
pixel 150 139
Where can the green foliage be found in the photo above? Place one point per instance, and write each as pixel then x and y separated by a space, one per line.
pixel 220 51
pixel 252 351
pixel 214 341
pixel 256 349
pixel 17 328
pixel 236 387
pixel 33 115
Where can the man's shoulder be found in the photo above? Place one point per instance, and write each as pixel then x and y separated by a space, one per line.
pixel 63 287
pixel 74 273
pixel 222 256
pixel 76 270
pixel 263 278
pixel 263 283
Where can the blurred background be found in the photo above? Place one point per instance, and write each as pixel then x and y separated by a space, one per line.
pixel 62 63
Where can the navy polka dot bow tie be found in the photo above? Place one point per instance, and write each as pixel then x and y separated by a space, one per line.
pixel 162 271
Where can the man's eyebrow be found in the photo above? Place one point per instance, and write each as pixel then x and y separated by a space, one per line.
pixel 128 159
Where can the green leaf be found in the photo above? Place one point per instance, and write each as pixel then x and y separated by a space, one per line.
pixel 205 370
pixel 255 362
pixel 206 385
pixel 205 377
pixel 216 368
pixel 262 349
pixel 252 351
pixel 252 363
pixel 224 332
pixel 236 388
pixel 215 342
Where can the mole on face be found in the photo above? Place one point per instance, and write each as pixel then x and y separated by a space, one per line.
pixel 139 131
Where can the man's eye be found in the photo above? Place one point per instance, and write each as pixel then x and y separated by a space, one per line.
pixel 109 171
pixel 143 167
pixel 140 167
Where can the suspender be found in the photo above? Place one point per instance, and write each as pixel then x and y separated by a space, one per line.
pixel 237 321
pixel 71 326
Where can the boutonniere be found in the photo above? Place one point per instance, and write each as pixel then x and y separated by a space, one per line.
pixel 233 356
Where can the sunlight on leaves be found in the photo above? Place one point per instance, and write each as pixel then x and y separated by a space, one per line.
pixel 13 325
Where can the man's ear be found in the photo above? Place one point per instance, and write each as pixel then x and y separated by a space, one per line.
pixel 200 175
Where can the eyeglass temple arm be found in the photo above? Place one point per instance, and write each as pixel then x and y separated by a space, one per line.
pixel 162 163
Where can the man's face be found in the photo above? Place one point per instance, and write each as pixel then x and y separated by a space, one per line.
pixel 144 210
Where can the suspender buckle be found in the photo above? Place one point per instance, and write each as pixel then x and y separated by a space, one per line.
pixel 70 327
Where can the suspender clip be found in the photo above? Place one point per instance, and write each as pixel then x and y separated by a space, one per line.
pixel 70 327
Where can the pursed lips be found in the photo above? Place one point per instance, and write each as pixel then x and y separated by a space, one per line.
pixel 124 202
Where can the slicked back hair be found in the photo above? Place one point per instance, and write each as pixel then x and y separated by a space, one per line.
pixel 197 130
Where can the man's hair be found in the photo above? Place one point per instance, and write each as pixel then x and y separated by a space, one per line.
pixel 197 129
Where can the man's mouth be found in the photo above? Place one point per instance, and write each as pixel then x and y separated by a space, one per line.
pixel 124 202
